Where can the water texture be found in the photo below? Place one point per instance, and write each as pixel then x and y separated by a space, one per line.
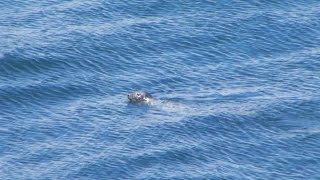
pixel 238 83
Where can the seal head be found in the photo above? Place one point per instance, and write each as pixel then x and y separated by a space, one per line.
pixel 139 97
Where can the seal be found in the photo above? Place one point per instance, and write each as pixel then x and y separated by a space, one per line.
pixel 140 97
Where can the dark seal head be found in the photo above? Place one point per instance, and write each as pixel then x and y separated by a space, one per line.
pixel 139 97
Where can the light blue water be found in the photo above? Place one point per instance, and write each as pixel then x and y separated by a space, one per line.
pixel 240 80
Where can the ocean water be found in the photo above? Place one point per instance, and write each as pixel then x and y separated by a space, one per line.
pixel 237 83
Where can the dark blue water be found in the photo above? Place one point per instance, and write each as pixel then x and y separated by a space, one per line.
pixel 238 85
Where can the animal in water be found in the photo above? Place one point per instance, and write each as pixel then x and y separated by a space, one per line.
pixel 140 97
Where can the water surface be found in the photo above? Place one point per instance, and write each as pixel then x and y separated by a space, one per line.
pixel 241 80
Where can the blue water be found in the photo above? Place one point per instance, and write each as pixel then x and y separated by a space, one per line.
pixel 237 83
